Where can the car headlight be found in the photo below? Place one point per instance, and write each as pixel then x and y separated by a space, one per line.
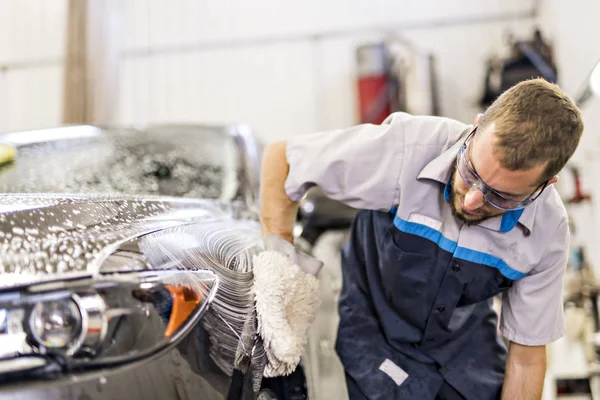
pixel 82 323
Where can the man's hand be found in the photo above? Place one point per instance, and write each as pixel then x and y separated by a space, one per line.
pixel 277 211
pixel 525 372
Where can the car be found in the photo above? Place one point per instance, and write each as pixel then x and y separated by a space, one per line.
pixel 125 258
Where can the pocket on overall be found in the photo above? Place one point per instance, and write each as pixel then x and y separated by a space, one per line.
pixel 406 263
pixel 488 283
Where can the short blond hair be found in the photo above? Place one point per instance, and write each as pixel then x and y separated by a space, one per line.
pixel 535 123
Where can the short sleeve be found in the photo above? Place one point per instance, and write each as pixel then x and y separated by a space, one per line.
pixel 359 166
pixel 532 310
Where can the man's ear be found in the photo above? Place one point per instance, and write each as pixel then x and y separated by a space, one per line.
pixel 553 180
pixel 477 120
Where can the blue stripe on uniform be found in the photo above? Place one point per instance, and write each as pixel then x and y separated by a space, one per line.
pixel 489 260
pixel 459 252
pixel 426 232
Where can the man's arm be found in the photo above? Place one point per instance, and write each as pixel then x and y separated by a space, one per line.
pixel 533 312
pixel 525 372
pixel 277 211
pixel 358 166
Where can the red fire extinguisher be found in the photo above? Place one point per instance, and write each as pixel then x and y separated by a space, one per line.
pixel 376 86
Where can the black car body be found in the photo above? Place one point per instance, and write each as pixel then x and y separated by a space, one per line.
pixel 87 308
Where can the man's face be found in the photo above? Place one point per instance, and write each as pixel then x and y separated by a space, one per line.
pixel 469 205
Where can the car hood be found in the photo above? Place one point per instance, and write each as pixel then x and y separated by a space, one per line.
pixel 50 236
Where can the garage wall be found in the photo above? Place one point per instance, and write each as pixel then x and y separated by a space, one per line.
pixel 288 68
pixel 285 68
pixel 574 27
pixel 31 62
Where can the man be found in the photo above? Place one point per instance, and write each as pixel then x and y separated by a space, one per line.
pixel 451 215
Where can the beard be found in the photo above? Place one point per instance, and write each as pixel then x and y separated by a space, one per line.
pixel 457 212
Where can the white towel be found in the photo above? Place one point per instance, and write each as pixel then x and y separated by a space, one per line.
pixel 287 300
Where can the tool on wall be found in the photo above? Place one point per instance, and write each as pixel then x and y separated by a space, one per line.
pixel 377 87
pixel 580 281
pixel 579 196
pixel 526 59
pixel 394 75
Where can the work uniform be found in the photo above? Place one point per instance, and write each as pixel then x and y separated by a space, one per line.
pixel 416 320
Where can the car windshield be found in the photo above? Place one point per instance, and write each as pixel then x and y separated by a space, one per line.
pixel 181 161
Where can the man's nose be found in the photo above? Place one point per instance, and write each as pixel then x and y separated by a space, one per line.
pixel 474 199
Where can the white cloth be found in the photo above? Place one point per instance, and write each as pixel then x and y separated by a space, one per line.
pixel 287 300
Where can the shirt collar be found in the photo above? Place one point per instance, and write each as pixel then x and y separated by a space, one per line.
pixel 439 170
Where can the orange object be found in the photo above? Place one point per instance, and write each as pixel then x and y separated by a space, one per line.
pixel 185 301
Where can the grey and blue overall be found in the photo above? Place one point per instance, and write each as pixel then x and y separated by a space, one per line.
pixel 415 311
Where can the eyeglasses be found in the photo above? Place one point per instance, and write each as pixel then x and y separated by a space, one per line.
pixel 473 181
